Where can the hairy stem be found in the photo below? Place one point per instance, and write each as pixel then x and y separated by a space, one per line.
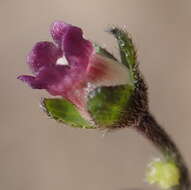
pixel 149 127
pixel 138 114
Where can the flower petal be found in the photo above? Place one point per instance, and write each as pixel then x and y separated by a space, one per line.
pixel 76 49
pixel 103 71
pixel 52 79
pixel 43 54
pixel 57 80
pixel 58 30
pixel 30 80
pixel 49 78
pixel 60 81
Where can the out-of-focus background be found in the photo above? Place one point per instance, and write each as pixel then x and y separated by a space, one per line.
pixel 36 153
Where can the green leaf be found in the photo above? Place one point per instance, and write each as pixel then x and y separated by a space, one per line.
pixel 127 52
pixel 102 51
pixel 108 104
pixel 64 111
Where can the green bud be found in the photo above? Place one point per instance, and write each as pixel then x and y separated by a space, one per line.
pixel 164 173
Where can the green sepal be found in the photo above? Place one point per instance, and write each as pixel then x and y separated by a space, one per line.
pixel 108 104
pixel 64 111
pixel 127 52
pixel 102 51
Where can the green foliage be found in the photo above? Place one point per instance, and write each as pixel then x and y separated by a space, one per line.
pixel 102 51
pixel 127 52
pixel 64 111
pixel 164 173
pixel 108 104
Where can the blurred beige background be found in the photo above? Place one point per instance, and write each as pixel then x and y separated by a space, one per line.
pixel 39 154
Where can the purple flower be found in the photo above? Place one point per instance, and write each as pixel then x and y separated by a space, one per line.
pixel 71 67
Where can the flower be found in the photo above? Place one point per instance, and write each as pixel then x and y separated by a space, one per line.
pixel 70 67
pixel 94 88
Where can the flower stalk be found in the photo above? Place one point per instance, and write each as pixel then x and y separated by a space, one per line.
pixel 149 128
pixel 139 116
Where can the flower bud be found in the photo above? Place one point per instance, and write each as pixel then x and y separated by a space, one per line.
pixel 164 173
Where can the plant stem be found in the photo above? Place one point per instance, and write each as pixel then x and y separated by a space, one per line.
pixel 149 127
pixel 138 114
